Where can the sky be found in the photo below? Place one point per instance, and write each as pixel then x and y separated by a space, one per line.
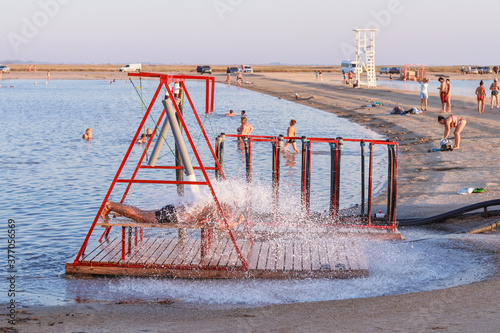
pixel 231 32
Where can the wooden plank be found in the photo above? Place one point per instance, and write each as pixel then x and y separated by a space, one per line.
pixel 139 250
pixel 227 253
pixel 280 256
pixel 261 264
pixel 218 252
pixel 189 243
pixel 151 254
pixel 181 243
pixel 253 257
pixel 271 257
pixel 244 246
pixel 165 242
pixel 195 249
pixel 297 255
pixel 125 222
pixel 306 256
pixel 168 251
pixel 288 256
pixel 105 255
pixel 97 249
pixel 315 263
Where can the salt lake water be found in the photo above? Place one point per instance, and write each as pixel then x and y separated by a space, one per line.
pixel 53 182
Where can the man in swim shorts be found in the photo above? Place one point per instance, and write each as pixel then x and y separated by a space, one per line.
pixel 87 135
pixel 443 93
pixel 291 133
pixel 195 215
pixel 450 122
pixel 495 90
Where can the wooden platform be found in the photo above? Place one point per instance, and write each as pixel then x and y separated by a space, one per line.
pixel 181 257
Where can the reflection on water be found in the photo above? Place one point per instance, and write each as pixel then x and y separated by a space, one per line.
pixel 53 182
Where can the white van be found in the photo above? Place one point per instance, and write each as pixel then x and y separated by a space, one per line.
pixel 131 68
pixel 349 66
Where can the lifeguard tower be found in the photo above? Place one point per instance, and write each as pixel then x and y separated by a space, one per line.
pixel 365 57
pixel 309 245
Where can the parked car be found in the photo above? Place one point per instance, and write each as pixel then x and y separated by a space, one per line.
pixel 384 70
pixel 473 70
pixel 204 69
pixel 485 70
pixel 232 70
pixel 131 68
pixel 347 66
pixel 395 70
pixel 247 69
pixel 4 69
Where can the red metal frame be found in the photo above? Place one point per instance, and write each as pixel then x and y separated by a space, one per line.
pixel 393 225
pixel 207 236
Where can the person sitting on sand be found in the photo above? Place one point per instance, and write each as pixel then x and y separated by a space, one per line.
pixel 230 114
pixel 291 133
pixel 495 90
pixel 481 97
pixel 245 128
pixel 443 90
pixel 453 121
pixel 87 135
pixel 196 215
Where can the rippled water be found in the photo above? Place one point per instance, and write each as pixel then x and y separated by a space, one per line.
pixel 53 183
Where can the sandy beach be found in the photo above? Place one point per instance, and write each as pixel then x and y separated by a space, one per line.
pixel 427 185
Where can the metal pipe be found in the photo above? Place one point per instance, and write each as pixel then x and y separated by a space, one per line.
pixel 248 159
pixel 308 178
pixel 302 175
pixel 340 146
pixel 220 154
pixel 159 143
pixel 389 181
pixel 188 167
pixel 179 175
pixel 362 144
pixel 333 177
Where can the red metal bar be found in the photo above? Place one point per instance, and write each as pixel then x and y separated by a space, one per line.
pixel 207 98
pixel 123 243
pixel 148 181
pixel 370 180
pixel 173 167
pixel 396 186
pixel 207 140
pixel 212 79
pixel 179 267
pixel 132 144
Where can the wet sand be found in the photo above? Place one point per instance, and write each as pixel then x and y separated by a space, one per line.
pixel 428 185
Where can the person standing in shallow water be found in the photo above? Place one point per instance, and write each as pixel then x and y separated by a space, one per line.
pixel 291 133
pixel 87 135
pixel 453 121
pixel 481 97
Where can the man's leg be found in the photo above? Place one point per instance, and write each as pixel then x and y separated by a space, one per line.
pixel 136 214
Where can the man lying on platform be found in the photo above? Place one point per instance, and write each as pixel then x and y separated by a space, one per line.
pixel 206 215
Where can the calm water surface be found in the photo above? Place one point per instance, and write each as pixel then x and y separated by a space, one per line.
pixel 53 183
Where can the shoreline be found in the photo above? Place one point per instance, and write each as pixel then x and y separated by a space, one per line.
pixel 466 308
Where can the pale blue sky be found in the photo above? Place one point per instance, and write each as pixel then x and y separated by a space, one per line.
pixel 247 31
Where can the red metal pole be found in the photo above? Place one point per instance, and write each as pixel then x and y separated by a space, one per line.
pixel 370 180
pixel 213 93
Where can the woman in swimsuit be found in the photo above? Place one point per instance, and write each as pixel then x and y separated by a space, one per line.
pixel 481 97
pixel 453 121
pixel 448 95
pixel 196 215
pixel 443 89
pixel 495 89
